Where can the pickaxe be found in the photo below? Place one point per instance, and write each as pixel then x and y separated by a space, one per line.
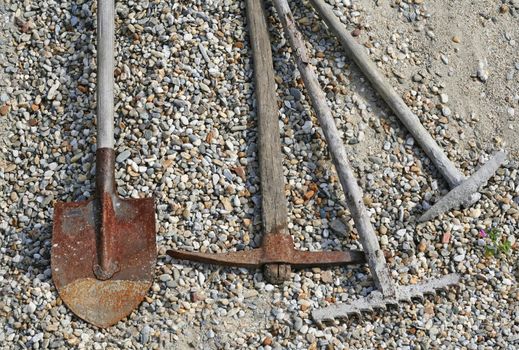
pixel 276 254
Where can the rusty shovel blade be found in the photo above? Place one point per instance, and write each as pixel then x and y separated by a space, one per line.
pixel 103 252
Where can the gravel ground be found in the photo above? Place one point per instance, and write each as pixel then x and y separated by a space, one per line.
pixel 186 134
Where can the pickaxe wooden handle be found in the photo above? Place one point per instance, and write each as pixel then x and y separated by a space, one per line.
pixel 277 253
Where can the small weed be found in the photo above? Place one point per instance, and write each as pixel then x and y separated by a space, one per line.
pixel 496 243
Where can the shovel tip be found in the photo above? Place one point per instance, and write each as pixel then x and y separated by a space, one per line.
pixel 103 303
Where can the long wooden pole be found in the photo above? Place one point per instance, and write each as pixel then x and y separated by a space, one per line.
pixel 358 54
pixel 105 73
pixel 273 200
pixel 354 196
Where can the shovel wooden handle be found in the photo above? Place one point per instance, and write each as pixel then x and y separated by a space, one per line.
pixel 105 73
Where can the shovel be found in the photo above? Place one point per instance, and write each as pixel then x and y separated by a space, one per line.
pixel 103 250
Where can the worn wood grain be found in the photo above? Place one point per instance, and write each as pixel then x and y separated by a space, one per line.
pixel 353 192
pixel 274 203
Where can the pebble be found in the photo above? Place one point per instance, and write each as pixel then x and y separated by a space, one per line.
pixel 459 258
pixel 123 156
pixel 269 287
pixel 401 232
pixel 31 307
pixel 482 72
pixel 327 277
pixel 4 110
pixel 338 226
pixel 298 323
pixel 145 334
pixel 51 95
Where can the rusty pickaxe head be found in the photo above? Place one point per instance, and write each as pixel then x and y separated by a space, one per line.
pixel 277 254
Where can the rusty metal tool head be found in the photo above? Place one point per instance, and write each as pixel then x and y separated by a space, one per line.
pixel 103 250
pixel 276 254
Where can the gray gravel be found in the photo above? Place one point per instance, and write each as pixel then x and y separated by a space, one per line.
pixel 186 135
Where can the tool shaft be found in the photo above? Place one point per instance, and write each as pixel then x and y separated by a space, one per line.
pixel 353 192
pixel 274 203
pixel 105 73
pixel 358 54
pixel 274 211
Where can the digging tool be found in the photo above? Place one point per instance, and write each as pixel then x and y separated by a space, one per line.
pixel 387 292
pixel 276 254
pixel 103 250
pixel 464 191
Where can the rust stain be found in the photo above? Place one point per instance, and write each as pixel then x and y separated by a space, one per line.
pixel 103 250
pixel 103 303
pixel 277 249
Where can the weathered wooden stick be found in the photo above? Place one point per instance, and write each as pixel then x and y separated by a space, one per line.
pixel 388 293
pixel 276 253
pixel 466 192
pixel 273 200
pixel 354 196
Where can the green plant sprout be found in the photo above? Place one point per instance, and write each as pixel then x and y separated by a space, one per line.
pixel 497 244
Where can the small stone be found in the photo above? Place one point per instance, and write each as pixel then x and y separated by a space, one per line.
pixel 456 39
pixel 197 296
pixel 338 226
pixel 422 247
pixel 227 204
pixel 240 171
pixel 4 110
pixel 267 341
pixel 446 237
pixel 30 308
pixel 482 72
pixel 401 232
pixel 53 91
pixel 308 195
pixel 298 323
pixel 123 156
pixel 444 98
pixel 145 334
pixel 417 78
pixel 459 258
pixel 475 212
pixel 296 93
pixel 165 277
pixel 429 309
pixel 327 276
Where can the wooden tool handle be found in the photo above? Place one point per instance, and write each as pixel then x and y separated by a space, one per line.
pixel 352 190
pixel 105 73
pixel 358 54
pixel 274 203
